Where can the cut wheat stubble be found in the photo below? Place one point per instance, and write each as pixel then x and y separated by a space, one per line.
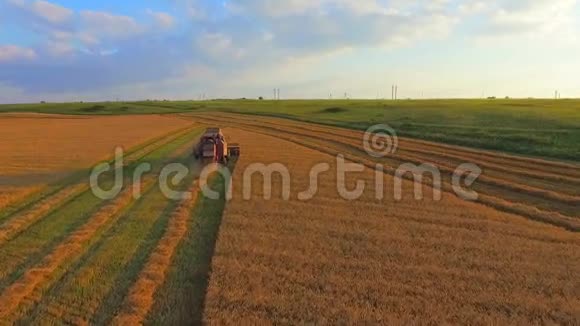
pixel 334 261
pixel 23 220
pixel 508 195
pixel 141 296
pixel 24 288
pixel 39 150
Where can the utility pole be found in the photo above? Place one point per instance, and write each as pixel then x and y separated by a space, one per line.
pixel 396 92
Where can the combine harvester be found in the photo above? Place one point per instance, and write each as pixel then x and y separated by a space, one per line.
pixel 213 146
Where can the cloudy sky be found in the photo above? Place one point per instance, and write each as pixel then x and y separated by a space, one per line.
pixel 69 50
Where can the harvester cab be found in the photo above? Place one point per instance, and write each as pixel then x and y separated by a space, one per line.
pixel 213 146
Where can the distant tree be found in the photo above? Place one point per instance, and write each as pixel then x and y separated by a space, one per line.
pixel 42 102
pixel 261 98
pixel 491 98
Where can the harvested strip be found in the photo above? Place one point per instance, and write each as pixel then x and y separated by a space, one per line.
pixel 11 196
pixel 135 156
pixel 499 167
pixel 569 223
pixel 24 288
pixel 114 262
pixel 25 219
pixel 427 154
pixel 527 209
pixel 557 169
pixel 51 150
pixel 305 262
pixel 508 185
pixel 141 296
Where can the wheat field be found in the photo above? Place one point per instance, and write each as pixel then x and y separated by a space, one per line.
pixel 39 149
pixel 68 257
pixel 331 261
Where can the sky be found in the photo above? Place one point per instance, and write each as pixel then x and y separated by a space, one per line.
pixel 70 50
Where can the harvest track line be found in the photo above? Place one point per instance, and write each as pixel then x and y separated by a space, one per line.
pixel 140 299
pixel 60 301
pixel 421 145
pixel 415 146
pixel 521 209
pixel 24 288
pixel 327 128
pixel 133 154
pixel 429 149
pixel 20 222
pixel 572 201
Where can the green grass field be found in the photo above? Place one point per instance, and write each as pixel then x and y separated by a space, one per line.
pixel 545 128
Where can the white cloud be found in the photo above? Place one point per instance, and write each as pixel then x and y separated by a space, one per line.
pixel 537 19
pixel 162 19
pixel 104 24
pixel 60 48
pixel 219 46
pixel 293 43
pixel 10 53
pixel 45 10
pixel 473 7
pixel 300 7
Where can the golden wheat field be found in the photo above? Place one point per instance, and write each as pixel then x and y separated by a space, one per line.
pixel 68 257
pixel 331 261
pixel 37 149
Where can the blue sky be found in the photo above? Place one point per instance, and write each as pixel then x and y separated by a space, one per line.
pixel 69 50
